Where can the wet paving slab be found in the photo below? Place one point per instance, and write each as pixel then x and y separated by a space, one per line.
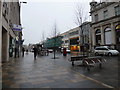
pixel 108 74
pixel 45 72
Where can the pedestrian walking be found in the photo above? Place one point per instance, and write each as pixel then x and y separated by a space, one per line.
pixel 23 50
pixel 64 52
pixel 26 51
pixel 16 52
pixel 47 52
pixel 35 52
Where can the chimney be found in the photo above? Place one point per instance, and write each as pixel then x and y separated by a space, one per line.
pixel 93 3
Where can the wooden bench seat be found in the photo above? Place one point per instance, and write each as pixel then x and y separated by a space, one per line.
pixel 87 61
pixel 76 58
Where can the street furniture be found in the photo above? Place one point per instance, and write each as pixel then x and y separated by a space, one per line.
pixel 87 61
pixel 92 61
pixel 76 58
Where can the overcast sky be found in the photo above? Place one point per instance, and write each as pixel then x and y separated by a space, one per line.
pixel 38 17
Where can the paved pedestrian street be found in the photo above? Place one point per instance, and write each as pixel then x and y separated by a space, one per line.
pixel 45 72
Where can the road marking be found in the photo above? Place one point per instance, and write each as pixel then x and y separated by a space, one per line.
pixel 108 86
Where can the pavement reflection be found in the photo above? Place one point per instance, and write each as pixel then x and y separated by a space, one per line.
pixel 46 72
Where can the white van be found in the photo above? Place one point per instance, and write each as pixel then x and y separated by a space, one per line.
pixel 105 50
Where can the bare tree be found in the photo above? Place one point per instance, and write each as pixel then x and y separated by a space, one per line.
pixel 55 34
pixel 80 15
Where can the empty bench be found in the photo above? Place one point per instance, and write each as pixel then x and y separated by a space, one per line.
pixel 76 58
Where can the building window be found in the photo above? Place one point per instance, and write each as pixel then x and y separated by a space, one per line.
pixel 74 33
pixel 105 13
pixel 98 36
pixel 74 41
pixel 117 10
pixel 66 41
pixel 96 17
pixel 98 31
pixel 4 4
pixel 108 36
pixel 65 36
pixel 62 42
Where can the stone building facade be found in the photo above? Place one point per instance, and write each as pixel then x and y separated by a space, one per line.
pixel 65 40
pixel 9 15
pixel 0 34
pixel 70 39
pixel 85 35
pixel 74 37
pixel 105 24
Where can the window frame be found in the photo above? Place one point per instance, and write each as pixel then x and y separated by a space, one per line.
pixel 105 14
pixel 96 17
pixel 117 10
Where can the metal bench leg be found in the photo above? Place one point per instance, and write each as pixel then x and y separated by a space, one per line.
pixel 88 68
pixel 72 63
pixel 100 65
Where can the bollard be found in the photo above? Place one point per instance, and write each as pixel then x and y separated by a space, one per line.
pixel 72 63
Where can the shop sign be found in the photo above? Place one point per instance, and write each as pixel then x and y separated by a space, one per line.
pixel 17 27
pixel 117 28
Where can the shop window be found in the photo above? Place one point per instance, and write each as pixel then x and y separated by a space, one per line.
pixel 98 36
pixel 96 17
pixel 74 41
pixel 105 13
pixel 108 36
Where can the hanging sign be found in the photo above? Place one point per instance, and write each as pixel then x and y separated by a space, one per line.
pixel 17 27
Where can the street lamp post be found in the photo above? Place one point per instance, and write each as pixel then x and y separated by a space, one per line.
pixel 20 39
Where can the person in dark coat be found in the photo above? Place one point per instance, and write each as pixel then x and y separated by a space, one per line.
pixel 23 50
pixel 35 52
pixel 47 52
pixel 16 50
pixel 26 51
pixel 64 52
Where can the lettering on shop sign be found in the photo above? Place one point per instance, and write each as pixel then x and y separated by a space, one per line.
pixel 17 27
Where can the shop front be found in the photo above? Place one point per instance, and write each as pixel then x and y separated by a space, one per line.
pixel 117 29
pixel 74 44
pixel 4 45
pixel 75 48
pixel 11 46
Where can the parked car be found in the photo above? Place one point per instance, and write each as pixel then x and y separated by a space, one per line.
pixel 105 50
pixel 50 50
pixel 67 50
